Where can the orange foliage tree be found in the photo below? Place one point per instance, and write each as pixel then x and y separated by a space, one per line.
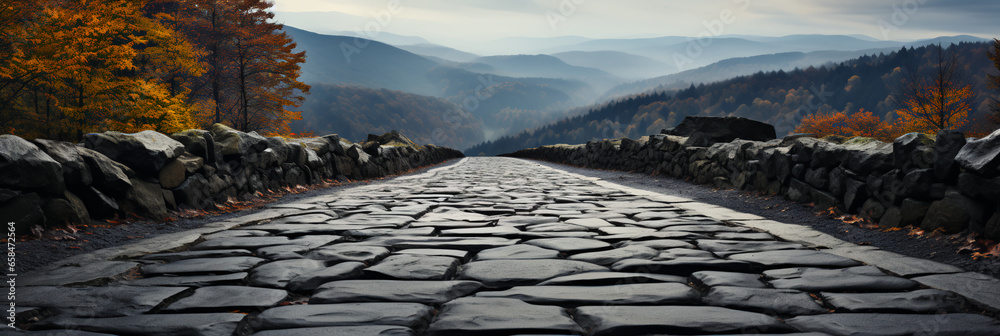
pixel 861 123
pixel 937 102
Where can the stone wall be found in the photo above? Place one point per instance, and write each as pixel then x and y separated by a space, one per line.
pixel 945 183
pixel 45 183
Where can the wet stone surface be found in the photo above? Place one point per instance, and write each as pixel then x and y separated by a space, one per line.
pixel 495 246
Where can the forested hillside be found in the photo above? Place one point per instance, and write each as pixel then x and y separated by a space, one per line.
pixel 73 67
pixel 778 97
pixel 353 112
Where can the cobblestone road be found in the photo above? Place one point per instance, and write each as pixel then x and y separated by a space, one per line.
pixel 495 246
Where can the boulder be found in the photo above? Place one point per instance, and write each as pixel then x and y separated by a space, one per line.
pixel 234 142
pixel 704 131
pixel 992 229
pixel 910 213
pixel 145 200
pixel 24 211
pixel 981 156
pixel 864 156
pixel 393 138
pixel 281 149
pixel 360 157
pixel 913 151
pixel 976 186
pixel 951 214
pixel 23 166
pixel 818 178
pixel 109 176
pixel 191 193
pixel 145 152
pixel 7 194
pixel 201 143
pixel 76 173
pixel 917 184
pixel 99 205
pixel 320 145
pixel 946 148
pixel 60 211
pixel 872 209
pixel 174 173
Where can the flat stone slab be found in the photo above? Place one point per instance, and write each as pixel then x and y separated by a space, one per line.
pixel 897 324
pixel 413 267
pixel 246 243
pixel 653 215
pixel 764 300
pixel 373 221
pixel 204 265
pixel 716 278
pixel 614 230
pixel 283 252
pixel 427 231
pixel 509 273
pixel 310 229
pixel 668 222
pixel 707 228
pixel 683 266
pixel 659 244
pixel 227 298
pixel 341 331
pixel 52 333
pixel 517 252
pixel 450 225
pixel 277 274
pixel 523 221
pixel 411 315
pixel 609 257
pixel 725 248
pixel 669 293
pixel 457 254
pixel 496 316
pixel 610 279
pixel 759 236
pixel 570 245
pixel 429 292
pixel 108 301
pixel 857 279
pixel 316 218
pixel 175 256
pixel 191 281
pixel 91 273
pixel 218 324
pixel 978 288
pixel 680 320
pixel 796 258
pixel 451 243
pixel 307 282
pixel 556 227
pixel 483 231
pixel 672 254
pixel 918 301
pixel 681 235
pixel 349 252
pixel 590 223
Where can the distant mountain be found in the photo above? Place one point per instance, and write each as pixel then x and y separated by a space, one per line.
pixel 618 63
pixel 439 51
pixel 740 66
pixel 524 45
pixel 548 67
pixel 781 98
pixel 354 112
pixel 376 65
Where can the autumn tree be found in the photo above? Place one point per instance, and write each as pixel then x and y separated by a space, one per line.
pixel 938 101
pixel 266 70
pixel 91 65
pixel 862 123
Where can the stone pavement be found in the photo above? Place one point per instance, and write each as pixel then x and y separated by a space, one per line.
pixel 497 246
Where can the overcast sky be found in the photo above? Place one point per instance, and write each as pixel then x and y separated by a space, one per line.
pixel 457 22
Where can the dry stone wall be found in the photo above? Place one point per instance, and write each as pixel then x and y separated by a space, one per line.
pixel 946 183
pixel 45 183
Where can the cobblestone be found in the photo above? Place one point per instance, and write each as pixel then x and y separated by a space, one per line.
pixel 497 246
